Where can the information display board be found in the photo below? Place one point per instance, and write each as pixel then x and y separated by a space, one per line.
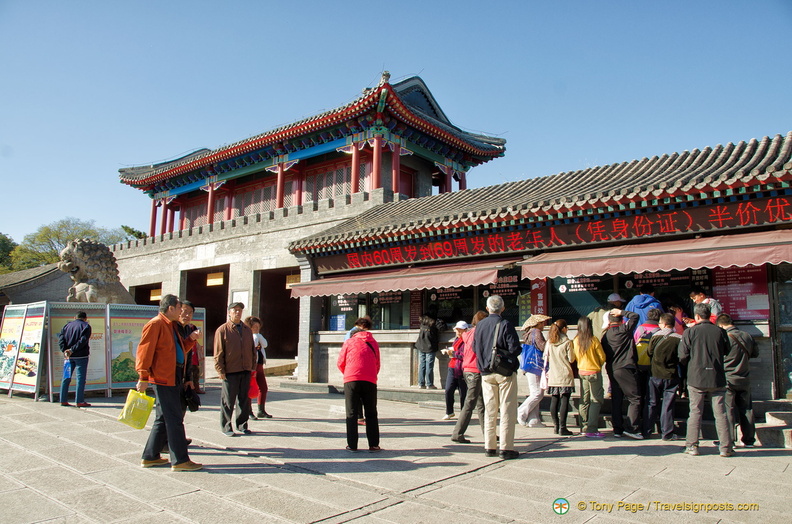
pixel 27 374
pixel 60 314
pixel 742 291
pixel 10 337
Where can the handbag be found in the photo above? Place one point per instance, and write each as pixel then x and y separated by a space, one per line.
pixel 501 362
pixel 191 399
pixel 253 389
pixel 532 360
pixel 137 409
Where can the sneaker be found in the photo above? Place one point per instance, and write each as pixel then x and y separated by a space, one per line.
pixel 636 436
pixel 83 405
pixel 618 435
pixel 716 443
pixel 253 417
pixel 229 434
pixel 596 434
pixel 460 440
pixel 728 453
pixel 65 404
pixel 536 424
pixel 743 445
pixel 509 454
pixel 247 431
pixel 375 449
pixel 263 414
pixel 422 387
pixel 449 416
pixel 361 422
pixel 187 466
pixel 692 450
pixel 490 452
pixel 154 462
pixel 431 387
pixel 672 437
pixel 351 449
pixel 564 432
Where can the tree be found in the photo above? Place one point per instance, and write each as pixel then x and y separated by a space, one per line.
pixel 45 244
pixel 7 245
pixel 133 233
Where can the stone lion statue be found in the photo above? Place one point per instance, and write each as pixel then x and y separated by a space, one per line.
pixel 94 271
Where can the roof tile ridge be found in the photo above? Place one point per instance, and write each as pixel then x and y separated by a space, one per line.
pixel 645 175
pixel 665 166
pixel 715 161
pixel 765 167
pixel 687 169
pixel 788 163
pixel 757 150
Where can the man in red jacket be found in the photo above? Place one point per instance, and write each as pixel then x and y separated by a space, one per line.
pixel 160 361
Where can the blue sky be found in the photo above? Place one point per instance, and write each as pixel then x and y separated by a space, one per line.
pixel 88 87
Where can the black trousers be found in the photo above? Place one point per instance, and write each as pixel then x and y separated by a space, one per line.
pixel 235 391
pixel 168 426
pixel 739 410
pixel 361 394
pixel 625 385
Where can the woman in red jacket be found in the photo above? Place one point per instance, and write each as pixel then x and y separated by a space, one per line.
pixel 359 361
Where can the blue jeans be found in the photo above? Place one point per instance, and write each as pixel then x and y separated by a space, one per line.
pixel 80 367
pixel 426 369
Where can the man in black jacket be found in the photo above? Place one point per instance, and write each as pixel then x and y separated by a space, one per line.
pixel 702 348
pixel 73 341
pixel 739 408
pixel 499 391
pixel 621 363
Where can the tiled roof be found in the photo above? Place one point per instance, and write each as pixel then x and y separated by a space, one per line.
pixel 26 275
pixel 412 101
pixel 733 166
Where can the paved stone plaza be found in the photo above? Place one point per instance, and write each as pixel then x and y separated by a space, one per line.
pixel 62 464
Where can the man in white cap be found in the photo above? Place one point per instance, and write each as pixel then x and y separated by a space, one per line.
pixel 599 317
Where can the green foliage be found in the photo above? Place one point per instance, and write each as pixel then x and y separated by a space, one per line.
pixel 45 244
pixel 133 233
pixel 7 245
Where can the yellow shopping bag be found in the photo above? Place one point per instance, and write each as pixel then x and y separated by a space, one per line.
pixel 137 409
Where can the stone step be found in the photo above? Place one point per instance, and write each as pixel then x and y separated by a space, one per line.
pixel 779 418
pixel 777 431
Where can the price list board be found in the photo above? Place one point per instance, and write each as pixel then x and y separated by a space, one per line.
pixel 742 291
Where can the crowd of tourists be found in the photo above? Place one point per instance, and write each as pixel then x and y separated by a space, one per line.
pixel 651 358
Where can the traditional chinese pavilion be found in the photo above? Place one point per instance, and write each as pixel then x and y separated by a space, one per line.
pixel 718 217
pixel 221 219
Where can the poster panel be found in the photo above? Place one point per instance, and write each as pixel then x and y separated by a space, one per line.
pixel 742 291
pixel 61 313
pixel 126 327
pixel 27 374
pixel 10 335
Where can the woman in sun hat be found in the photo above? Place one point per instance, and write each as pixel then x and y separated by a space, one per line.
pixel 528 412
pixel 455 379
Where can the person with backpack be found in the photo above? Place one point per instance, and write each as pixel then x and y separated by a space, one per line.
pixel 643 335
pixel 664 382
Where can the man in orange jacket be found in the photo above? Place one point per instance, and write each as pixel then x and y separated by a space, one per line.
pixel 160 361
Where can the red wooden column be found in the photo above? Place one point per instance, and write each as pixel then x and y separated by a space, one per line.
pixel 396 170
pixel 153 221
pixel 448 180
pixel 355 168
pixel 171 215
pixel 210 204
pixel 462 181
pixel 182 216
pixel 279 187
pixel 229 209
pixel 299 179
pixel 376 171
pixel 164 218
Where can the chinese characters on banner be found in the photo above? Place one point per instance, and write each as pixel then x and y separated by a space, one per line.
pixel 704 218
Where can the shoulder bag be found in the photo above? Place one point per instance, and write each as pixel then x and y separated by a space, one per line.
pixel 502 362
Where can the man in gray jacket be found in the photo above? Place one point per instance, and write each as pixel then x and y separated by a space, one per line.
pixel 739 409
pixel 702 348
